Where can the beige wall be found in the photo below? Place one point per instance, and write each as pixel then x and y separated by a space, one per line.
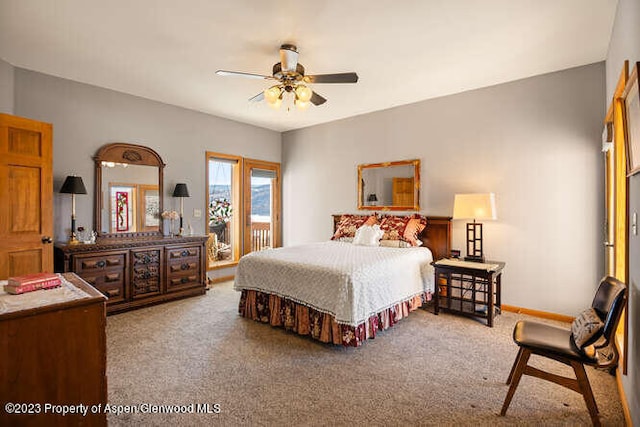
pixel 6 87
pixel 625 44
pixel 534 142
pixel 85 117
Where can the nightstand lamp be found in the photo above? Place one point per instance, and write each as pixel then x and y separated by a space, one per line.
pixel 73 185
pixel 181 191
pixel 478 206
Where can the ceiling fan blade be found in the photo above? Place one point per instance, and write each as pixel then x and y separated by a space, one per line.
pixel 259 97
pixel 240 74
pixel 332 78
pixel 288 57
pixel 317 99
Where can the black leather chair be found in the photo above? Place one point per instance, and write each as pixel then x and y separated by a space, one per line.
pixel 557 343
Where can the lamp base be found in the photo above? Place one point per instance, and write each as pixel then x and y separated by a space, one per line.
pixel 73 240
pixel 474 258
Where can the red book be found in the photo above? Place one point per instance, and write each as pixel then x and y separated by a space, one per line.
pixel 31 282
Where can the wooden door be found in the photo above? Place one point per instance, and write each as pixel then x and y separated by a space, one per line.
pixel 261 183
pixel 402 191
pixel 26 196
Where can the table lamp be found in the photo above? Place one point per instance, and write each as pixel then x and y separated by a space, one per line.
pixel 478 206
pixel 181 191
pixel 73 185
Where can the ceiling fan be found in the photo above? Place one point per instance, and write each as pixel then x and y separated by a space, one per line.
pixel 289 74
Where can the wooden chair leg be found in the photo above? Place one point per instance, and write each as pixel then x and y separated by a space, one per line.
pixel 585 390
pixel 522 359
pixel 513 368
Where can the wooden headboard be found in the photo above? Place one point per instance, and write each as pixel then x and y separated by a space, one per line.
pixel 436 237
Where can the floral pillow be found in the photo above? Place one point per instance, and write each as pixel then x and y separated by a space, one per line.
pixel 586 328
pixel 414 227
pixel 349 224
pixel 393 227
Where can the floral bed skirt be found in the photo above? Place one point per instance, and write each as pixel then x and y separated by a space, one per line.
pixel 292 316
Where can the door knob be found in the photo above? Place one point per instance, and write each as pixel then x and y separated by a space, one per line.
pixel 47 239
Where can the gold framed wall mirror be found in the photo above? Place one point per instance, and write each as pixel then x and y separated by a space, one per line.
pixel 128 191
pixel 391 186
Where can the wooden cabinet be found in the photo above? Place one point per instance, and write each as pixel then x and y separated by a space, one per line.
pixel 53 351
pixel 134 272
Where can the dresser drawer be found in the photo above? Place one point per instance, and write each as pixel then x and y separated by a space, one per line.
pixel 181 253
pixel 176 282
pixel 110 283
pixel 94 263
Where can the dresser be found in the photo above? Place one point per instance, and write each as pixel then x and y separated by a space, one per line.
pixel 53 349
pixel 135 272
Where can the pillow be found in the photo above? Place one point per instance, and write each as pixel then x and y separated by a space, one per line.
pixel 586 328
pixel 414 227
pixel 395 244
pixel 393 227
pixel 368 235
pixel 349 224
pixel 344 239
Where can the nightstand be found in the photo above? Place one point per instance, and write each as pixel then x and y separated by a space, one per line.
pixel 468 288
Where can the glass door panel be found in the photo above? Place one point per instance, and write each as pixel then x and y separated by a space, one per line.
pixel 262 205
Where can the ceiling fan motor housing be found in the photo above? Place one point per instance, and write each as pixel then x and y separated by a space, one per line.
pixel 288 75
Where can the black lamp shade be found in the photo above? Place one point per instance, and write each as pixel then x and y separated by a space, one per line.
pixel 73 185
pixel 181 191
pixel 372 198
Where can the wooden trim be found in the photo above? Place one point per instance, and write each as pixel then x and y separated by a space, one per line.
pixel 219 266
pixel 221 279
pixel 623 397
pixel 538 313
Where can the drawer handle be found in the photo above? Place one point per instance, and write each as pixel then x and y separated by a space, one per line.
pixel 184 253
pixel 113 292
pixel 185 266
pixel 101 264
pixel 184 280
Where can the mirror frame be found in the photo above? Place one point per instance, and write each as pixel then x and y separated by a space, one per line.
pixel 416 186
pixel 121 152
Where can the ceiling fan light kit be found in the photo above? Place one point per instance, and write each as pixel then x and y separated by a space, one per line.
pixel 291 78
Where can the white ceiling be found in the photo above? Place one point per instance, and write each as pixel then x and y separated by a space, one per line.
pixel 404 51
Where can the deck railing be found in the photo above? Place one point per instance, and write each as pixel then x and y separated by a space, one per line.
pixel 260 236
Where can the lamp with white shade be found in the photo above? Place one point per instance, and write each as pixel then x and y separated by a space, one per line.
pixel 476 206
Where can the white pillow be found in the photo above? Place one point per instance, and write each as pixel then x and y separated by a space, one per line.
pixel 368 235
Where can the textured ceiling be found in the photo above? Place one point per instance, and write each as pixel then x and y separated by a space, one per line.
pixel 403 51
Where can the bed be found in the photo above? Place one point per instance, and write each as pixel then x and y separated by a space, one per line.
pixel 337 292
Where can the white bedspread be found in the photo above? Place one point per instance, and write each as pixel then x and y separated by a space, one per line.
pixel 347 281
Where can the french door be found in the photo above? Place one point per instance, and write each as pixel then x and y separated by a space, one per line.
pixel 261 183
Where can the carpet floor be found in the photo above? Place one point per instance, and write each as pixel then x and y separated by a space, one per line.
pixel 426 370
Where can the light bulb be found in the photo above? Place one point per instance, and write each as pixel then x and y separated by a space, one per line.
pixel 272 94
pixel 303 93
pixel 276 104
pixel 301 104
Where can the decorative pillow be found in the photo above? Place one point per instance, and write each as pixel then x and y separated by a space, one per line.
pixel 368 235
pixel 372 220
pixel 395 244
pixel 344 239
pixel 586 328
pixel 393 227
pixel 348 225
pixel 414 227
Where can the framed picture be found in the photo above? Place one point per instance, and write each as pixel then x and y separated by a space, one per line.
pixel 121 207
pixel 631 97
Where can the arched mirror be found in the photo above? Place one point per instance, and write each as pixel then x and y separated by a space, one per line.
pixel 128 191
pixel 389 186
